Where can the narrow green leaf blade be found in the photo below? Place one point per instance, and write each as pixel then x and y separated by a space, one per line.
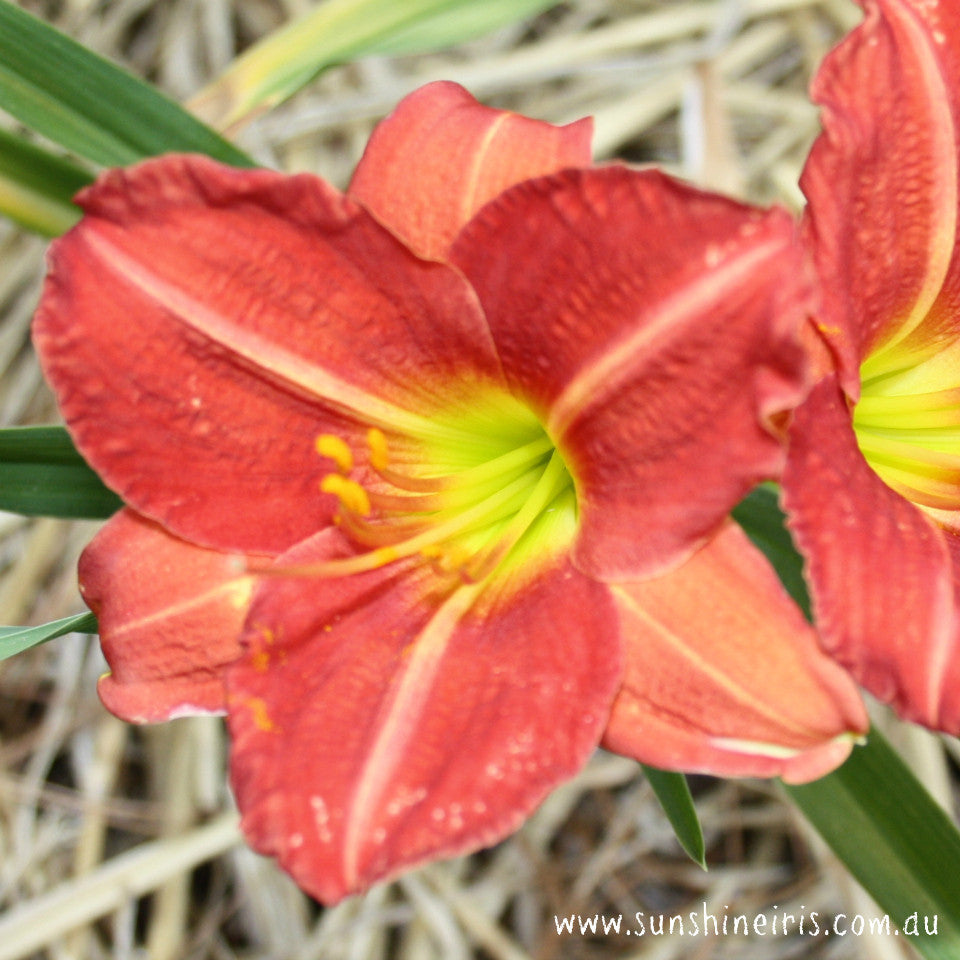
pixel 904 850
pixel 457 22
pixel 93 108
pixel 875 815
pixel 14 640
pixel 673 792
pixel 763 521
pixel 341 30
pixel 42 474
pixel 36 187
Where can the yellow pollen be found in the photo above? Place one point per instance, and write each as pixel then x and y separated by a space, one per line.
pixel 261 716
pixel 337 450
pixel 350 494
pixel 379 456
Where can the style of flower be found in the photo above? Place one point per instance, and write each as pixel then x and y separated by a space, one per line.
pixel 396 461
pixel 873 478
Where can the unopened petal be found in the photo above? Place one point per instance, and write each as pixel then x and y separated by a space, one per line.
pixel 170 619
pixel 440 156
pixel 655 328
pixel 724 676
pixel 385 720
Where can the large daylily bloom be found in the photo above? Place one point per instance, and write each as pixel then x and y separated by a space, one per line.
pixel 873 479
pixel 397 459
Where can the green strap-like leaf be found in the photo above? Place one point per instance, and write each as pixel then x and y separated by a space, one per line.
pixel 763 521
pixel 14 640
pixel 36 187
pixel 340 30
pixel 88 105
pixel 882 823
pixel 457 21
pixel 674 795
pixel 874 814
pixel 42 474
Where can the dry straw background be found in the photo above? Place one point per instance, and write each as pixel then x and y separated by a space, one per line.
pixel 121 842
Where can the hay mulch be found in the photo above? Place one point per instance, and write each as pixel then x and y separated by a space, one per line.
pixel 121 842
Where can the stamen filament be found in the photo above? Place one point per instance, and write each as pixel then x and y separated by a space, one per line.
pixel 945 439
pixel 933 492
pixel 517 460
pixel 937 400
pixel 887 363
pixel 412 503
pixel 521 457
pixel 909 458
pixel 552 481
pixel 496 507
pixel 403 481
pixel 377 535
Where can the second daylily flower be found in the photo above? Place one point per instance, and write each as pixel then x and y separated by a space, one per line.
pixel 873 477
pixel 397 460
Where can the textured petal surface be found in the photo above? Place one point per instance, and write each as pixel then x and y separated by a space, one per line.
pixel 170 619
pixel 882 181
pixel 724 675
pixel 882 573
pixel 440 156
pixel 657 366
pixel 202 325
pixel 379 721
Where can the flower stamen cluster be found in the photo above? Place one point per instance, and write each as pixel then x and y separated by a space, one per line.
pixel 908 428
pixel 464 523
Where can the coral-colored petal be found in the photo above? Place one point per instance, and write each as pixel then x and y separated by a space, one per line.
pixel 880 570
pixel 379 721
pixel 724 676
pixel 882 181
pixel 170 619
pixel 658 366
pixel 440 156
pixel 202 325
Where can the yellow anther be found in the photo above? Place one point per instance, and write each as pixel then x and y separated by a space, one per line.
pixel 329 445
pixel 350 494
pixel 379 456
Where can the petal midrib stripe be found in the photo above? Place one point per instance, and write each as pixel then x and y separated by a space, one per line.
pixel 608 373
pixel 236 591
pixel 398 723
pixel 284 366
pixel 943 134
pixel 722 680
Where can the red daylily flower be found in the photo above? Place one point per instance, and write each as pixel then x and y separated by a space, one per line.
pixel 517 397
pixel 873 478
